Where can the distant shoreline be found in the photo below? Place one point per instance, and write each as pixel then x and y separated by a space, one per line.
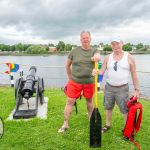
pixel 63 53
pixel 25 54
pixel 138 52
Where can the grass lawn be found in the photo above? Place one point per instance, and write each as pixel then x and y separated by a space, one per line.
pixel 38 134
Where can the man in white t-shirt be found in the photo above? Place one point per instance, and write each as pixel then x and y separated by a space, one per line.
pixel 119 64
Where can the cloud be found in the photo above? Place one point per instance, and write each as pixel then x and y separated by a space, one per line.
pixel 51 21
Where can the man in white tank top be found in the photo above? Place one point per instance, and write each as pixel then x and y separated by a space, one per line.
pixel 119 64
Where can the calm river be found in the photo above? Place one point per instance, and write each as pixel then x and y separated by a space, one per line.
pixel 52 69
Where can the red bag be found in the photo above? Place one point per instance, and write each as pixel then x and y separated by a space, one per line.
pixel 133 121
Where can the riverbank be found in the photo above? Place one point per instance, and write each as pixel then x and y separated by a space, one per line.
pixel 134 53
pixel 26 54
pixel 61 53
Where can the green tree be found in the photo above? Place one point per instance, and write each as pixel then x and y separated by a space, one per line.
pixel 51 45
pixel 36 49
pixel 3 47
pixel 127 47
pixel 61 46
pixel 12 48
pixel 143 49
pixel 19 47
pixel 139 46
pixel 68 47
pixel 8 47
pixel 107 48
pixel 26 46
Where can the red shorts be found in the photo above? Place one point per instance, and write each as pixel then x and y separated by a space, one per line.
pixel 74 90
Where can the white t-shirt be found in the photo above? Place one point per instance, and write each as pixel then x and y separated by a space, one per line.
pixel 121 75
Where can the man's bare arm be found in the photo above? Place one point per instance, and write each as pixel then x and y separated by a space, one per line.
pixel 104 66
pixel 68 68
pixel 134 75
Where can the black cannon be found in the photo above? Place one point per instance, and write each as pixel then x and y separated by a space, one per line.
pixel 32 87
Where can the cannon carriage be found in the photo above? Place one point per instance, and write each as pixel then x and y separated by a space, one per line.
pixel 25 90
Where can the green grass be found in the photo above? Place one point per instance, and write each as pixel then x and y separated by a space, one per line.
pixel 38 134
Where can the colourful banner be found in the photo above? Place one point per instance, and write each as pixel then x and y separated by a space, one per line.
pixel 12 67
pixel 100 77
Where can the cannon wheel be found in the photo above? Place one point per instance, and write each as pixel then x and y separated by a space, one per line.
pixel 16 89
pixel 41 84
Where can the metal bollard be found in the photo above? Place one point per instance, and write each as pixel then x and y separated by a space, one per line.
pixel 21 74
pixel 11 79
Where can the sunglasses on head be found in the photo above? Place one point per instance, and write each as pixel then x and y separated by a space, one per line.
pixel 115 65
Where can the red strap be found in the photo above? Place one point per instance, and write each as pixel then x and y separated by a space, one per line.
pixel 132 101
pixel 135 143
pixel 138 123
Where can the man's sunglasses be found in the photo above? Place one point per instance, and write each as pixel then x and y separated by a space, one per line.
pixel 115 65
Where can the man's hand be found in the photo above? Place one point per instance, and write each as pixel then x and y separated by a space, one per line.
pixel 137 93
pixel 96 57
pixel 94 72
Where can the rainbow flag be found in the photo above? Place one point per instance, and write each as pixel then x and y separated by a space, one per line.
pixel 100 77
pixel 12 67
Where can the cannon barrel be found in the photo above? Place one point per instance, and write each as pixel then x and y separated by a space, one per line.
pixel 28 88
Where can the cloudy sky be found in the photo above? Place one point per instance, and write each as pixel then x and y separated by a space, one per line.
pixel 49 21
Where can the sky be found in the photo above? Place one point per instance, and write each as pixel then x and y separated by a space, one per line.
pixel 51 21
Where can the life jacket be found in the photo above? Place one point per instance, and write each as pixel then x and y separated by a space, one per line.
pixel 133 121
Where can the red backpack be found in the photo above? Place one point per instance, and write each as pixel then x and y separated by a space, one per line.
pixel 133 121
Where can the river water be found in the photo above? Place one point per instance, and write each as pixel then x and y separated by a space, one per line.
pixel 52 69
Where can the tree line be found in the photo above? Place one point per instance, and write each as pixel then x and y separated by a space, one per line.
pixel 127 47
pixel 61 47
pixel 35 49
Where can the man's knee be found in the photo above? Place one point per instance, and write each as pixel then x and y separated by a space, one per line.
pixel 89 100
pixel 71 101
pixel 89 104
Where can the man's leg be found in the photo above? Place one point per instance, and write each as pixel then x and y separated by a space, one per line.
pixel 108 117
pixel 125 117
pixel 108 121
pixel 67 113
pixel 122 98
pixel 68 110
pixel 109 102
pixel 88 92
pixel 89 107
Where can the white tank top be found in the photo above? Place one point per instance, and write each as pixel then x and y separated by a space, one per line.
pixel 121 75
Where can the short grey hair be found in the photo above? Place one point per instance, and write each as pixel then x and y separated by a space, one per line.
pixel 85 32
